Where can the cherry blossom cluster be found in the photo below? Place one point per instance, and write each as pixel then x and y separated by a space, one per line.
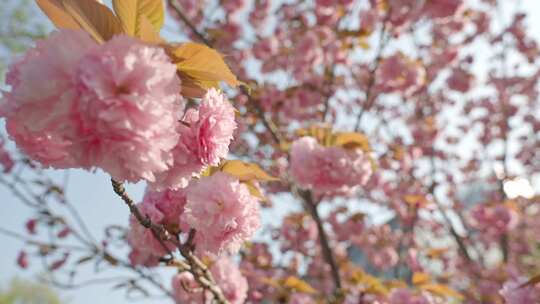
pixel 328 170
pixel 413 201
pixel 219 208
pixel 438 87
pixel 115 106
pixel 222 213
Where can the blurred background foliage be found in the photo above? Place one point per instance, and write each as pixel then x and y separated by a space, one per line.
pixel 19 27
pixel 27 292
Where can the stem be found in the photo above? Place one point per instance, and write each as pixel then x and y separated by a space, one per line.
pixel 323 239
pixel 178 10
pixel 196 267
pixel 371 82
pixel 278 139
pixel 453 232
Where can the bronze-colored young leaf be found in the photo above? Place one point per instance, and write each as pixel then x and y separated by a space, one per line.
pixel 323 134
pixel 193 88
pixel 203 64
pixel 351 140
pixel 54 9
pixel 371 283
pixel 95 18
pixel 416 200
pixel 131 13
pixel 246 171
pixel 420 278
pixel 147 32
pixel 254 190
pixel 298 285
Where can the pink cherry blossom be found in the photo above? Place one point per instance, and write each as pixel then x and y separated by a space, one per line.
pixel 186 289
pixel 514 293
pixel 31 225
pixel 5 158
pixel 205 136
pixel 328 170
pixel 212 128
pixel 442 8
pixel 22 259
pixel 228 277
pixel 403 12
pixel 233 6
pixel 37 112
pixel 265 48
pixel 446 91
pixel 185 166
pixel 128 109
pixel 405 296
pixel 400 73
pixel 298 232
pixel 300 298
pixel 494 220
pixel 460 80
pixel 233 284
pixel 222 211
pixel 162 208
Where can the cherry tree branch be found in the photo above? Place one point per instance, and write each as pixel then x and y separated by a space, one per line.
pixel 196 267
pixel 178 10
pixel 323 240
pixel 459 240
pixel 278 139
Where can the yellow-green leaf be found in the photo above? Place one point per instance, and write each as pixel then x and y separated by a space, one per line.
pixel 351 140
pixel 271 282
pixel 298 285
pixel 323 134
pixel 131 13
pixel 435 253
pixel 246 171
pixel 54 9
pixel 254 190
pixel 95 18
pixel 147 32
pixel 191 88
pixel 203 64
pixel 371 283
pixel 415 200
pixel 420 278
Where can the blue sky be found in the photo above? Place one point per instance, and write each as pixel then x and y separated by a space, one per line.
pixel 93 197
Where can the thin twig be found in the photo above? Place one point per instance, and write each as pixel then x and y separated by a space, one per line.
pixel 459 240
pixel 323 240
pixel 178 10
pixel 30 241
pixel 371 81
pixel 199 270
pixel 267 122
